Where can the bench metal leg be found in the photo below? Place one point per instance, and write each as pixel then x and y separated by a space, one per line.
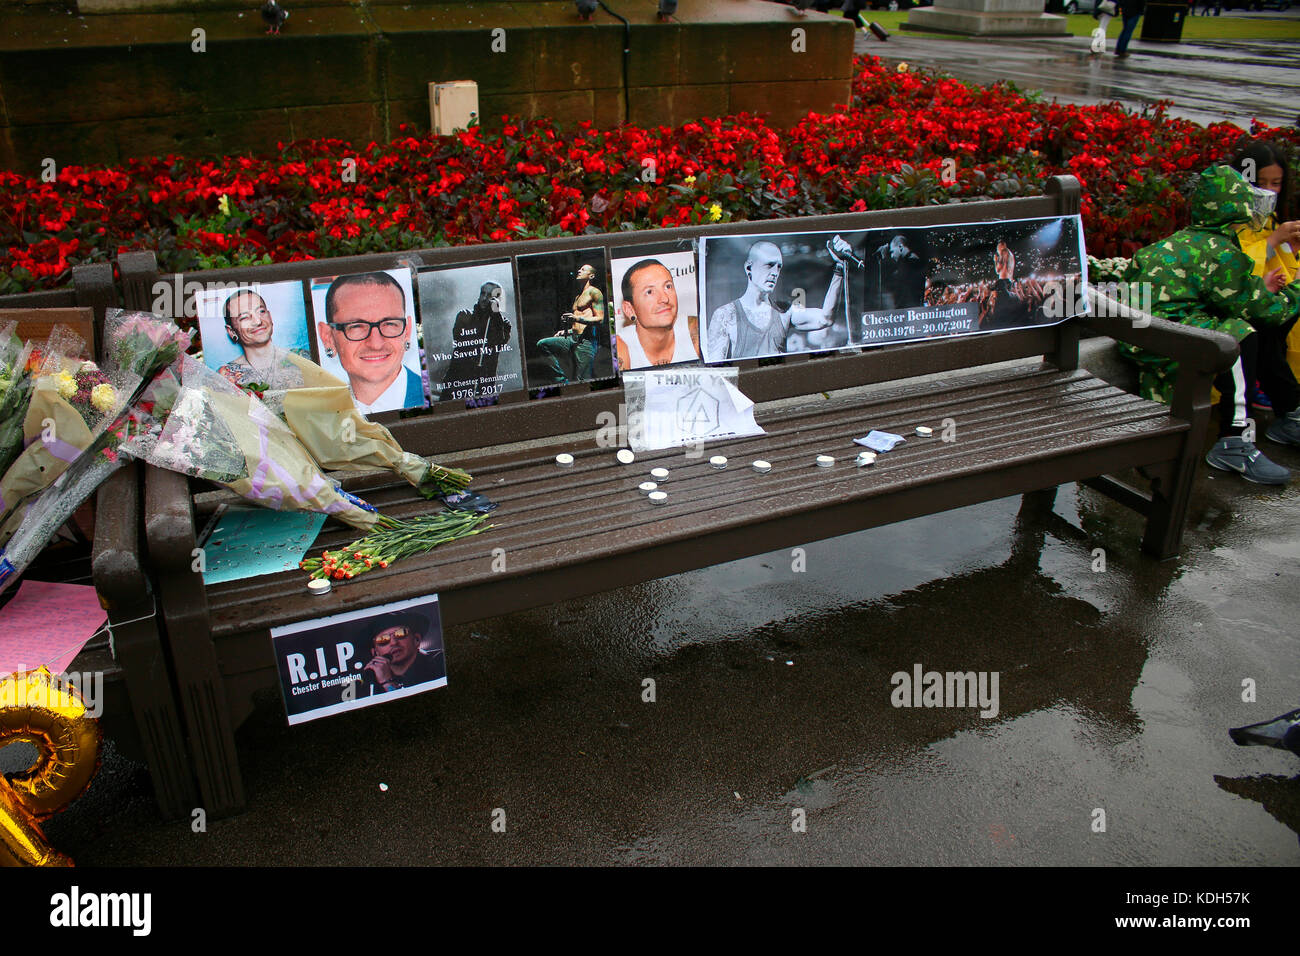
pixel 1171 493
pixel 138 650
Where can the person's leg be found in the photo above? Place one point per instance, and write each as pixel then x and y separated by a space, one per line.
pixel 1232 386
pixel 1278 381
pixel 1276 377
pixel 559 358
pixel 1121 45
pixel 1099 34
pixel 584 360
pixel 1235 449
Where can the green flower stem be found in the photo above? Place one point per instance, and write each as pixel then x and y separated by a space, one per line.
pixel 393 539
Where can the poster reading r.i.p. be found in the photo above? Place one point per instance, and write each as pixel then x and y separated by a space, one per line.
pixel 359 658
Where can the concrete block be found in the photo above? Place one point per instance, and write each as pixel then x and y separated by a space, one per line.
pixel 787 103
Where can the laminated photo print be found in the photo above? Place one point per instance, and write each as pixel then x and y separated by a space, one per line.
pixel 656 305
pixel 565 307
pixel 249 330
pixel 365 333
pixel 768 295
pixel 361 658
pixel 923 282
pixel 470 317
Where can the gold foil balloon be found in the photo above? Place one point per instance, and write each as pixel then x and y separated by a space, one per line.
pixel 49 714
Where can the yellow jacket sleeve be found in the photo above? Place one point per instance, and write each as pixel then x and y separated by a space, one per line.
pixel 1254 243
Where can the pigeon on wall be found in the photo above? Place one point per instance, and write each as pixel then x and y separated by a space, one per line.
pixel 274 15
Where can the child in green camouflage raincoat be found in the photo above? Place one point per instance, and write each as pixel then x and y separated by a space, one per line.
pixel 1200 277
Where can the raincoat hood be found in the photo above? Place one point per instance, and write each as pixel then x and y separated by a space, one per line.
pixel 1221 200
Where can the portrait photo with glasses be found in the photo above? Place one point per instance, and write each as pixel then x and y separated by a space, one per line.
pixel 359 658
pixel 365 334
pixel 250 331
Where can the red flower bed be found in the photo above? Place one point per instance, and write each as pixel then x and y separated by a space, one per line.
pixel 907 139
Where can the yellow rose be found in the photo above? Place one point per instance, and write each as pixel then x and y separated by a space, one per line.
pixel 102 397
pixel 715 212
pixel 902 68
pixel 66 384
pixel 689 180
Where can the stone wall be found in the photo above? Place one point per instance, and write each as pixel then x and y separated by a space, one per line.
pixel 101 87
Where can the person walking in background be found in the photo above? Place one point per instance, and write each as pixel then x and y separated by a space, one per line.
pixel 1131 11
pixel 1102 12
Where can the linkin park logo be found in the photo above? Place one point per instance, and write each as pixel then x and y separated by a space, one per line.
pixel 697 412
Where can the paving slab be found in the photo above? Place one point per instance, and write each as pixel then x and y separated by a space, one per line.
pixel 1208 81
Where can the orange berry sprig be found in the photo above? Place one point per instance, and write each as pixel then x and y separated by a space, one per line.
pixel 391 540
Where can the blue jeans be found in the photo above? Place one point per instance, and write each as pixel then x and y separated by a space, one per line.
pixel 1130 24
pixel 569 359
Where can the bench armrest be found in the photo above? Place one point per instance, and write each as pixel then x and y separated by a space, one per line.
pixel 115 563
pixel 1201 349
pixel 169 522
pixel 1201 354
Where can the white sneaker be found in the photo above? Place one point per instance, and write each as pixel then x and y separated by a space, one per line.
pixel 1099 40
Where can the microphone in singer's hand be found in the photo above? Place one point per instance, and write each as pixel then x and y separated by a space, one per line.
pixel 845 255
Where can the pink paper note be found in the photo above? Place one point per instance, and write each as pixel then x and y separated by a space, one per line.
pixel 47 624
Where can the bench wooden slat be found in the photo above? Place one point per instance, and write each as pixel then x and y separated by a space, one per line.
pixel 594 508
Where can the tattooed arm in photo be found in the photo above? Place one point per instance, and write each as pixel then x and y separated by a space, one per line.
pixel 722 333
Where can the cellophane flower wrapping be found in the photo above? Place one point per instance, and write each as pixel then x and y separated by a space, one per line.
pixel 71 406
pixel 195 422
pixel 73 401
pixel 325 419
pixel 142 343
pixel 15 389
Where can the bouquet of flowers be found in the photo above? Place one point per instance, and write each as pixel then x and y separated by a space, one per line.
pixel 15 387
pixel 53 431
pixel 78 418
pixel 394 538
pixel 323 416
pixel 142 343
pixel 196 422
pixel 30 529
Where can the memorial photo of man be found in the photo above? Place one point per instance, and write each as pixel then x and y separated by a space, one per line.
pixel 250 326
pixel 485 326
pixel 897 275
pixel 368 327
pixel 654 333
pixel 395 659
pixel 756 324
pixel 254 333
pixel 571 352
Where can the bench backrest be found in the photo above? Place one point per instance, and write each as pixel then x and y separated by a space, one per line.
pixel 448 426
pixel 92 287
pixel 35 324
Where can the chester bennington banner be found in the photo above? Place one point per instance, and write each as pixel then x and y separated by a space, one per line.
pixel 767 295
pixel 359 658
pixel 929 282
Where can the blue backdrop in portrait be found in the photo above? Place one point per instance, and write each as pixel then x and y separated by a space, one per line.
pixel 285 302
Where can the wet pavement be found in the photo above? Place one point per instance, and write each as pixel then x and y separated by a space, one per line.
pixel 1116 687
pixel 1208 81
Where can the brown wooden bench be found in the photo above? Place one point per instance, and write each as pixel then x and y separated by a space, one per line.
pixel 575 531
